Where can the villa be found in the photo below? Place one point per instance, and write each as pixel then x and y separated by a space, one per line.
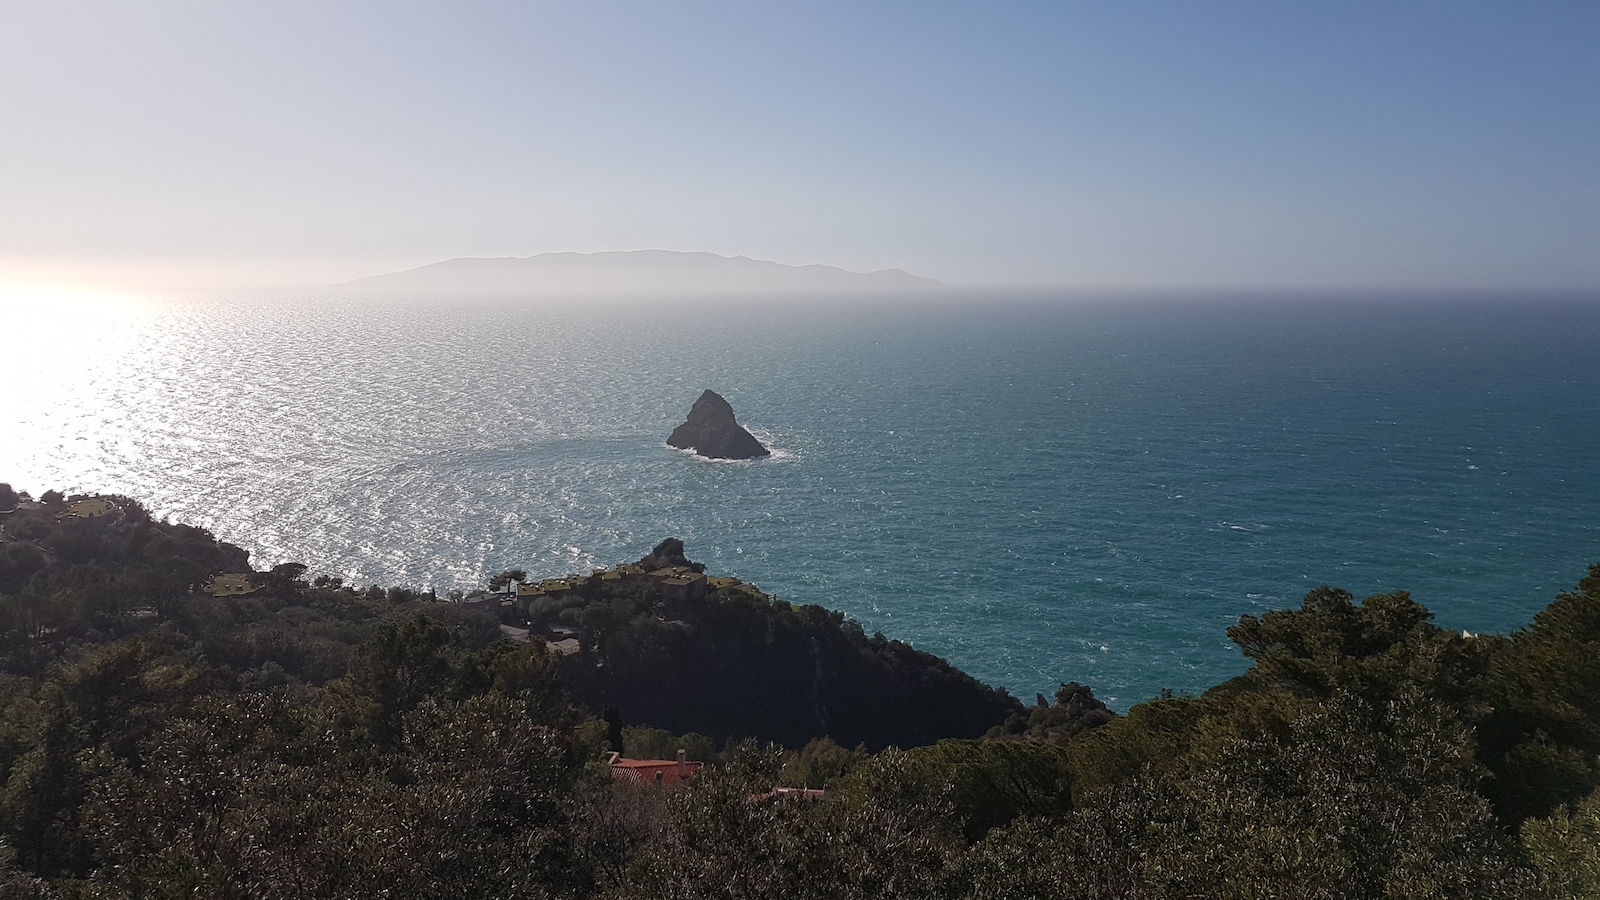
pixel 654 771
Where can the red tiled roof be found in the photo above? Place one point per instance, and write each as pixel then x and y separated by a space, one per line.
pixel 663 771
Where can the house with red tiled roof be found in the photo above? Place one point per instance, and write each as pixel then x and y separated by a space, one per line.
pixel 654 771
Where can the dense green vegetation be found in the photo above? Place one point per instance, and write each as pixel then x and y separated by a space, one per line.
pixel 309 739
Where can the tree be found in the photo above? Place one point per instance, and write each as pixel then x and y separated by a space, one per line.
pixel 504 579
pixel 892 840
pixel 1542 737
pixel 1075 711
pixel 613 720
pixel 283 578
pixel 405 662
pixel 1372 649
pixel 820 763
pixel 986 783
pixel 1358 798
pixel 44 787
pixel 1565 850
pixel 526 671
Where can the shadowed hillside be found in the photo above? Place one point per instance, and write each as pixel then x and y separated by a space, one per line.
pixel 730 661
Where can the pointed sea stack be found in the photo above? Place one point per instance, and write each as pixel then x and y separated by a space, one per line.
pixel 712 432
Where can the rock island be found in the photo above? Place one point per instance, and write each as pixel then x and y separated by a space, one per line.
pixel 711 431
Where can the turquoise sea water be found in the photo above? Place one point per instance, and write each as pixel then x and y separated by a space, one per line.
pixel 1038 489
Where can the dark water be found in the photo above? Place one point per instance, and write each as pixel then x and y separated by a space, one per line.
pixel 1039 490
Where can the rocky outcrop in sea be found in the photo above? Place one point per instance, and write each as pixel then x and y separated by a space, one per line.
pixel 711 431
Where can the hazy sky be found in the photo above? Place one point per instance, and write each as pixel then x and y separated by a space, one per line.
pixel 1075 143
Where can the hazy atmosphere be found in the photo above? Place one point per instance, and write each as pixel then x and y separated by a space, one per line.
pixel 198 144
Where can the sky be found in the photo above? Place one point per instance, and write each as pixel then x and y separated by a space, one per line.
pixel 1075 144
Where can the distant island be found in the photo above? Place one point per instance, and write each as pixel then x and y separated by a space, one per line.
pixel 664 271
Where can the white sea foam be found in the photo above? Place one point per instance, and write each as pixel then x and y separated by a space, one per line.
pixel 774 455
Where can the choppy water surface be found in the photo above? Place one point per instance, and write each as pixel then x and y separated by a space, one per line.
pixel 1039 491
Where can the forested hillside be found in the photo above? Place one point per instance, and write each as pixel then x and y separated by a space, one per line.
pixel 734 662
pixel 165 732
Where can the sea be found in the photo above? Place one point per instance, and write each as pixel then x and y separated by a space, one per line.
pixel 1039 488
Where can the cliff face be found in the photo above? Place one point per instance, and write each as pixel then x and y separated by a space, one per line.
pixel 711 431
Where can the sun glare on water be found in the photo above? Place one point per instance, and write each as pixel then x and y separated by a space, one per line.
pixel 40 316
pixel 66 349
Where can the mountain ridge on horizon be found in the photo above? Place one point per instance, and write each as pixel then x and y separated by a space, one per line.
pixel 633 270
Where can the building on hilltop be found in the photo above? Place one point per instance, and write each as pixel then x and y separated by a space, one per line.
pixel 680 583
